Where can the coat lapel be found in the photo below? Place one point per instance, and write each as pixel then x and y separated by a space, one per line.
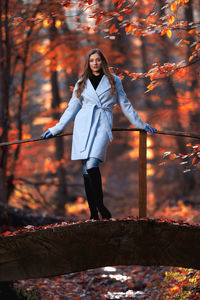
pixel 90 91
pixel 103 85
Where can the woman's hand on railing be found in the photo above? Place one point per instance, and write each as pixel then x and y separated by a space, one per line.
pixel 150 129
pixel 47 134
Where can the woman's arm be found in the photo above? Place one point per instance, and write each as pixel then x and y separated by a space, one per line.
pixel 128 109
pixel 69 114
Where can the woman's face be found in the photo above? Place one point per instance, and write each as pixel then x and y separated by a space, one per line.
pixel 95 63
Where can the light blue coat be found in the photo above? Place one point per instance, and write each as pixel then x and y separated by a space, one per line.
pixel 93 118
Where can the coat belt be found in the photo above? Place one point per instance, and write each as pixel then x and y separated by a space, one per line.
pixel 105 119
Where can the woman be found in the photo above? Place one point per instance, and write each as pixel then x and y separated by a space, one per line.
pixel 92 102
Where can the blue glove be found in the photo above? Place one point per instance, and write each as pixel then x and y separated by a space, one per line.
pixel 47 134
pixel 150 129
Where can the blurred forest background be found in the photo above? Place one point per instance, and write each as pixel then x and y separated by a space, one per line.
pixel 154 47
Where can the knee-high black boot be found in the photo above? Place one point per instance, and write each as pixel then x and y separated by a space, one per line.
pixel 90 197
pixel 95 177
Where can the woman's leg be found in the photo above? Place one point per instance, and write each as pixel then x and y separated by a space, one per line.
pixel 89 193
pixel 92 167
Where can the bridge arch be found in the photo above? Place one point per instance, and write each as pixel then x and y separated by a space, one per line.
pixel 92 244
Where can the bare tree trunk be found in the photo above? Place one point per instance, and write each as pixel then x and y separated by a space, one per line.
pixel 187 181
pixel 74 45
pixel 20 103
pixel 4 97
pixel 62 194
pixel 2 134
pixel 193 81
pixel 145 65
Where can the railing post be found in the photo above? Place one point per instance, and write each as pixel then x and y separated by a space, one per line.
pixel 142 174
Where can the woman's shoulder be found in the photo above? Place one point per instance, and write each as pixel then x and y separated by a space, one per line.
pixel 117 79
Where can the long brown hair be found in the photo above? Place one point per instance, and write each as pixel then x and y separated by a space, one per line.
pixel 87 72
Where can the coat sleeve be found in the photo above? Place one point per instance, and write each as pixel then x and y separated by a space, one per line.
pixel 69 114
pixel 127 107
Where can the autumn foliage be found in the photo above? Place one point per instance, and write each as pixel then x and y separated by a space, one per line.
pixel 154 48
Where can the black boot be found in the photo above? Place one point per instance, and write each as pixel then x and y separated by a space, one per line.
pixel 95 177
pixel 90 197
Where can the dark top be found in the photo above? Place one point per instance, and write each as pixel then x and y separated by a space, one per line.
pixel 95 79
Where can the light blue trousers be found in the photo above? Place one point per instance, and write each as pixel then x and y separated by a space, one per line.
pixel 89 163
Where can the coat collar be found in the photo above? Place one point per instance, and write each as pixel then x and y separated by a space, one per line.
pixel 102 87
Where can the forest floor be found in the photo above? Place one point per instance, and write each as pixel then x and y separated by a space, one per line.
pixel 121 282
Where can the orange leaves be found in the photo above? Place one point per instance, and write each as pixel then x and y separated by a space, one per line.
pixel 157 71
pixel 152 24
pixel 194 53
pixel 138 33
pixel 172 156
pixel 183 42
pixel 173 7
pixel 113 29
pixel 133 29
pixel 197 46
pixel 120 12
pixel 181 282
pixel 194 159
pixel 191 159
pixel 128 28
pixel 98 20
pixel 169 33
pixel 163 31
pixel 166 31
pixel 171 19
pixel 192 31
pixel 135 75
pixel 120 18
pixel 6 233
pixel 89 2
pixel 65 3
pixel 151 86
pixel 178 3
pixel 191 57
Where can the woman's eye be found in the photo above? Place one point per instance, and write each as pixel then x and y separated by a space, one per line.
pixel 95 61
